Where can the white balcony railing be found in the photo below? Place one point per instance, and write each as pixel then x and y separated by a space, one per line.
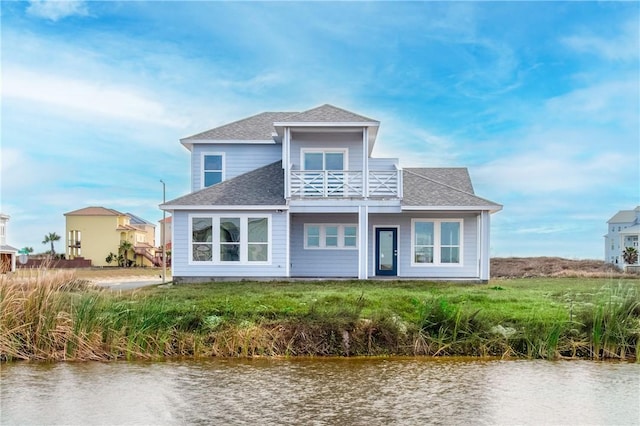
pixel 344 183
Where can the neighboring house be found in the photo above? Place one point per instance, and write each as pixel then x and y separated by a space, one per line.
pixel 623 231
pixel 284 194
pixel 7 253
pixel 95 232
pixel 167 231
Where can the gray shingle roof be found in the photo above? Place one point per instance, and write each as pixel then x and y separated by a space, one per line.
pixel 446 187
pixel 625 216
pixel 327 114
pixel 257 127
pixel 260 187
pixel 137 220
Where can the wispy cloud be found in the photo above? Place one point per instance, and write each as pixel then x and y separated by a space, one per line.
pixel 85 96
pixel 55 10
pixel 621 46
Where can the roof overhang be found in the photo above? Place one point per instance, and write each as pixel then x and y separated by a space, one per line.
pixel 490 209
pixel 322 126
pixel 169 207
pixel 189 143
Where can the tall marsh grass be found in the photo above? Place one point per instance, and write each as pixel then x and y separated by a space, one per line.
pixel 56 316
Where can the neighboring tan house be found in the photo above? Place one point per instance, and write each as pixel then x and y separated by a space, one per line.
pixel 7 253
pixel 623 231
pixel 284 194
pixel 96 232
pixel 167 231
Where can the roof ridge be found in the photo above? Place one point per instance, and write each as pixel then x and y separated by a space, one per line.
pixel 334 107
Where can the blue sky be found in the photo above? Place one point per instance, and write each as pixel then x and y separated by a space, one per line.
pixel 539 100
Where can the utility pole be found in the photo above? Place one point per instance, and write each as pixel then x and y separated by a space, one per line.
pixel 162 239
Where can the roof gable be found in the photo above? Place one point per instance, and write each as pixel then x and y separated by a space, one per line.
pixel 327 114
pixel 260 187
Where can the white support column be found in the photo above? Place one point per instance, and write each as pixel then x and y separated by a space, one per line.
pixel 485 225
pixel 363 238
pixel 285 162
pixel 287 266
pixel 365 162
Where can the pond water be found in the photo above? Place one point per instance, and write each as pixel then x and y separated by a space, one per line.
pixel 403 391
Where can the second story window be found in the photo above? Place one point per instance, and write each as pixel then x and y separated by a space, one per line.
pixel 324 160
pixel 212 169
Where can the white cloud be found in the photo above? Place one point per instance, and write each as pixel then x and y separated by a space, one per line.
pixel 85 96
pixel 624 46
pixel 55 10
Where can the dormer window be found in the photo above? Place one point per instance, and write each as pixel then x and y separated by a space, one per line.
pixel 212 169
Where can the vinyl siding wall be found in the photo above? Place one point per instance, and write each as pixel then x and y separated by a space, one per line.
pixel 321 262
pixel 238 159
pixel 181 240
pixel 469 268
pixel 351 141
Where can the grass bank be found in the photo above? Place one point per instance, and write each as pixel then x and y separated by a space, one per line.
pixel 61 317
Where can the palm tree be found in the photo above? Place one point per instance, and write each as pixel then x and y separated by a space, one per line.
pixel 630 255
pixel 124 248
pixel 51 238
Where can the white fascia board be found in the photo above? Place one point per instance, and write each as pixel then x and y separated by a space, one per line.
pixel 492 209
pixel 327 124
pixel 229 141
pixel 221 207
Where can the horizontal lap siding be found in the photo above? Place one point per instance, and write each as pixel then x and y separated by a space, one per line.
pixel 470 246
pixel 321 262
pixel 180 251
pixel 238 159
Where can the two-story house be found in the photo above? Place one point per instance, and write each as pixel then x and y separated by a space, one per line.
pixel 623 231
pixel 285 194
pixel 96 232
pixel 7 252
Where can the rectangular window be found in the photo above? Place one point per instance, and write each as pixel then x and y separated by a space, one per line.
pixel 324 160
pixel 212 169
pixel 350 236
pixel 436 242
pixel 201 239
pixel 230 239
pixel 330 236
pixel 240 238
pixel 258 239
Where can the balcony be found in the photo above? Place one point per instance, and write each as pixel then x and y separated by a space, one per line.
pixel 345 184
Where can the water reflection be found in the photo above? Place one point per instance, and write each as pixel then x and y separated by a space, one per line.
pixel 326 391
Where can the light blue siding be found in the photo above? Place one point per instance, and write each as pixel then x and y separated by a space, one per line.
pixel 321 262
pixel 180 250
pixel 469 268
pixel 351 141
pixel 238 159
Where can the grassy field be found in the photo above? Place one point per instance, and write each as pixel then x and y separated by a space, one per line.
pixel 58 316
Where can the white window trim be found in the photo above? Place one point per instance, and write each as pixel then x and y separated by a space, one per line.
pixel 244 242
pixel 323 240
pixel 344 151
pixel 202 171
pixel 437 243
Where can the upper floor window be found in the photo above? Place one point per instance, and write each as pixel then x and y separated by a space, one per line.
pixel 335 159
pixel 436 242
pixel 212 169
